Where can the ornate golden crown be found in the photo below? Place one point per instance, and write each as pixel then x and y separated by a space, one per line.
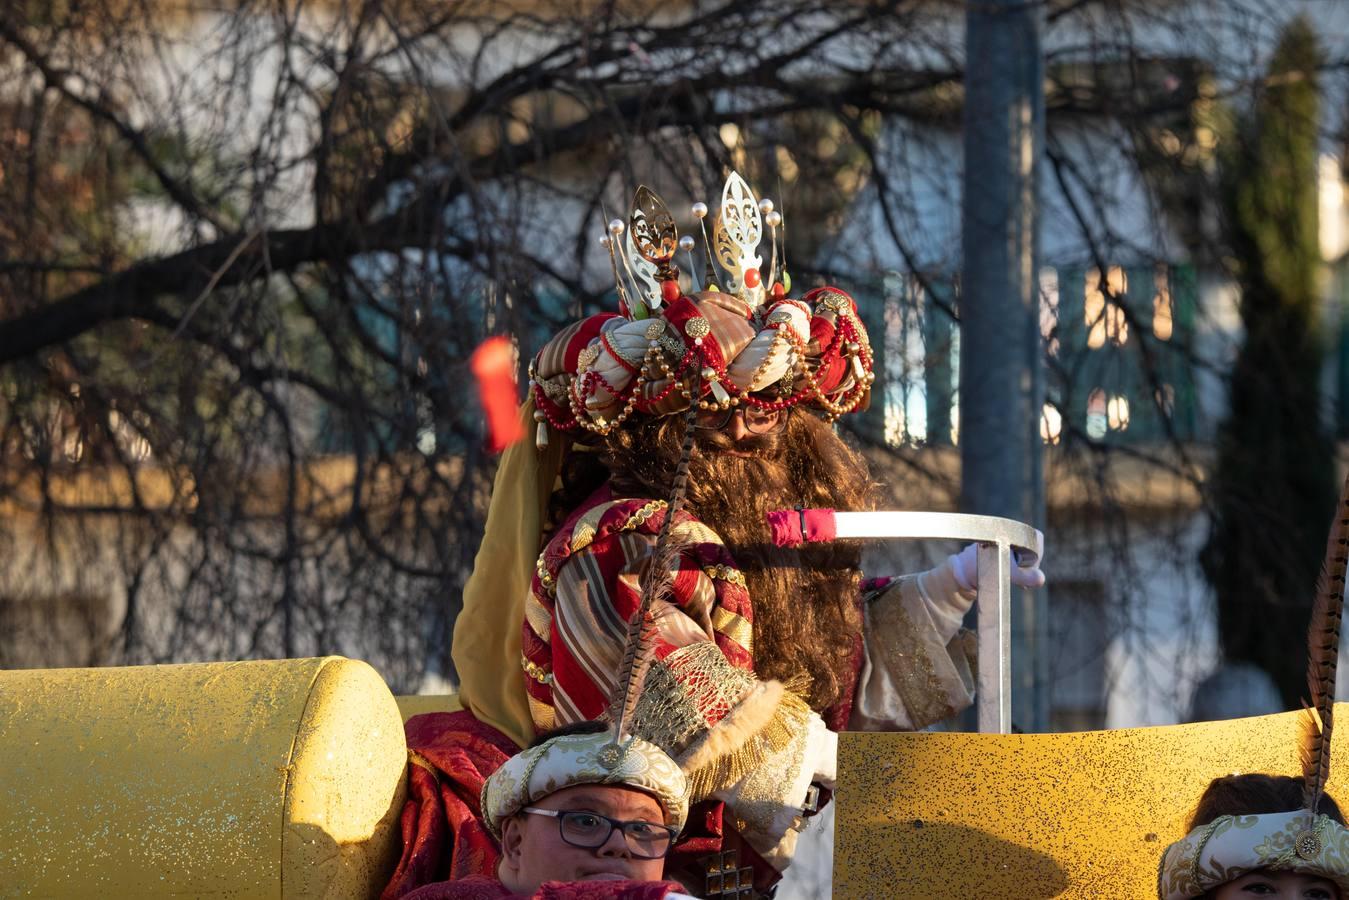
pixel 748 344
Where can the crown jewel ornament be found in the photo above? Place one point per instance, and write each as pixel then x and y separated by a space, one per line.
pixel 738 232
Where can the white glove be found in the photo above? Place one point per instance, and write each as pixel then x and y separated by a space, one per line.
pixel 965 567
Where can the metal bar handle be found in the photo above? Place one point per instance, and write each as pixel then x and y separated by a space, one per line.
pixel 996 537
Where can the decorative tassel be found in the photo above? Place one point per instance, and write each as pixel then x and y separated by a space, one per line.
pixel 541 435
pixel 719 392
pixel 857 369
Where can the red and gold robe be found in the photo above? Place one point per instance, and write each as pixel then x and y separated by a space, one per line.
pixel 450 756
pixel 750 747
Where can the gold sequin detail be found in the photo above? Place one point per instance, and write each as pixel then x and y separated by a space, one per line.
pixel 640 516
pixel 655 329
pixel 536 672
pixel 761 799
pixel 832 300
pixel 545 579
pixel 697 327
pixel 586 357
pixel 671 343
pixel 933 680
pixel 726 573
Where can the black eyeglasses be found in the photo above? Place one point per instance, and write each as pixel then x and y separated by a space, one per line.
pixel 588 830
pixel 757 421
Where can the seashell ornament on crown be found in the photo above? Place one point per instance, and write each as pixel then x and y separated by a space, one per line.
pixel 750 344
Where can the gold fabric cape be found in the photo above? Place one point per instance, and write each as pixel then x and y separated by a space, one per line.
pixel 486 647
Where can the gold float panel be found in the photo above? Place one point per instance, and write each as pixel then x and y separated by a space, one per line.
pixel 253 779
pixel 1079 815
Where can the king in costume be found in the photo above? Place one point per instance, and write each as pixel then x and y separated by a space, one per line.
pixel 721 401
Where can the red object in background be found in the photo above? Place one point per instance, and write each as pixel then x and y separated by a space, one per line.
pixel 493 365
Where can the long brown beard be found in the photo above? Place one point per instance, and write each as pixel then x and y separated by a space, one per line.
pixel 807 619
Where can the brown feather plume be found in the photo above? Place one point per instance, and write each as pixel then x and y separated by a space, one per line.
pixel 1323 653
pixel 657 582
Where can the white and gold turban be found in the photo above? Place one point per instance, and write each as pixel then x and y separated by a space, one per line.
pixel 575 759
pixel 1232 846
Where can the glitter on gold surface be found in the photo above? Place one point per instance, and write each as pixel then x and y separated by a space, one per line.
pixel 254 779
pixel 1013 816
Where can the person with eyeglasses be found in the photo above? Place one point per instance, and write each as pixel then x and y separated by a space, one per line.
pixel 737 423
pixel 579 814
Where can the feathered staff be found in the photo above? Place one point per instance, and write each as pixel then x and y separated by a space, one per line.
pixel 657 582
pixel 1323 653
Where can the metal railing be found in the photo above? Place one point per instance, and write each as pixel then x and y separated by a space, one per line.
pixel 995 537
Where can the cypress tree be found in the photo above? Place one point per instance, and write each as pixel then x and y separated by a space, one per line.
pixel 1273 488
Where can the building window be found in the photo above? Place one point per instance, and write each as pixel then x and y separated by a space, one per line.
pixel 1101 381
pixel 1101 308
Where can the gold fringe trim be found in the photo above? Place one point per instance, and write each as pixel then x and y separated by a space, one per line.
pixel 713 766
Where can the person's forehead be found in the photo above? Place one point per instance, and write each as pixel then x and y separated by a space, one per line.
pixel 601 798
